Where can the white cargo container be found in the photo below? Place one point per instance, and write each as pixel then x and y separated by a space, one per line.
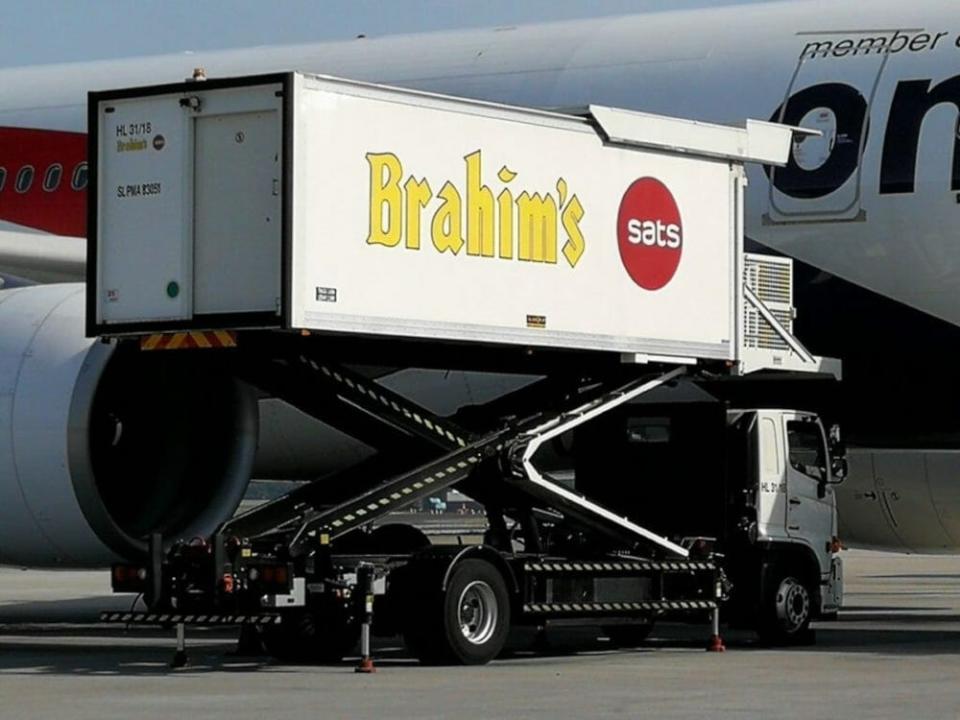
pixel 310 203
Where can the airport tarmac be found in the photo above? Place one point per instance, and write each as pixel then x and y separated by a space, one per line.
pixel 894 653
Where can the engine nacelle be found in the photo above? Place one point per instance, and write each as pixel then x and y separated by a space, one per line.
pixel 100 445
pixel 901 499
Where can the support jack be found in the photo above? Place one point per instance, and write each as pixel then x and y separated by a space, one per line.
pixel 180 655
pixel 716 642
pixel 365 579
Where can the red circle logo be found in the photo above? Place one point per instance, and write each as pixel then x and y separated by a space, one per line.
pixel 649 233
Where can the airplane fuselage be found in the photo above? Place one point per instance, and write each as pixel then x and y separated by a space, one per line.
pixel 867 206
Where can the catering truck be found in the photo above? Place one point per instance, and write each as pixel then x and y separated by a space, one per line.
pixel 296 230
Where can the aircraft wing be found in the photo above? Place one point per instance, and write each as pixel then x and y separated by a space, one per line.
pixel 41 257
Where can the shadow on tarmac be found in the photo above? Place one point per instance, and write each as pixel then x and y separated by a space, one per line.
pixel 56 648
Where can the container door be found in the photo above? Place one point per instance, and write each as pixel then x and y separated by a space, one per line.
pixel 237 206
pixel 810 509
pixel 143 227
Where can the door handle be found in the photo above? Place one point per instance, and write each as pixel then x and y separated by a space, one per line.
pixel 794 501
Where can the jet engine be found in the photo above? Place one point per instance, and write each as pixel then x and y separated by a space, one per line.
pixel 101 446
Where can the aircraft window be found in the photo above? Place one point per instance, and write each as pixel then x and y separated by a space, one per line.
pixel 51 178
pixel 807 453
pixel 3 177
pixel 79 179
pixel 24 179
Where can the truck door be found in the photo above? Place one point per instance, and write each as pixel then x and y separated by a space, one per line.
pixel 810 501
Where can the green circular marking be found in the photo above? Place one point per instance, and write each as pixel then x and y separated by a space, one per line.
pixel 173 289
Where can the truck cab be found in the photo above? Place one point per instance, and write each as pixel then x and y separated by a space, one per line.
pixel 790 512
pixel 756 484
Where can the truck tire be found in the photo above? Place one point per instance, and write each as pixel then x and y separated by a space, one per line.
pixel 303 637
pixel 787 609
pixel 466 624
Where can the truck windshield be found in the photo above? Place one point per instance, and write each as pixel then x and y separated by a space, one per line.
pixel 807 453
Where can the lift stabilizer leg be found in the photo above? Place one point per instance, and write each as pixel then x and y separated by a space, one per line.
pixel 180 655
pixel 365 582
pixel 716 642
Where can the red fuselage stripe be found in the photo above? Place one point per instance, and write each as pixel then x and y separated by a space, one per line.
pixel 43 180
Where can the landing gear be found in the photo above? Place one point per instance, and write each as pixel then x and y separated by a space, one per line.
pixel 465 624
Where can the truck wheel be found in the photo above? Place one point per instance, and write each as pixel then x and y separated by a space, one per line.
pixel 787 611
pixel 467 623
pixel 301 637
pixel 628 636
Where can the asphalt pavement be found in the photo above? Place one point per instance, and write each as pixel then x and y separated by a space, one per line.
pixel 893 653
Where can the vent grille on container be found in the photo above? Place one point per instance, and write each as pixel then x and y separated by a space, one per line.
pixel 771 279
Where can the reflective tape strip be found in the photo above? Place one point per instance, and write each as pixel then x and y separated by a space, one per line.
pixel 226 338
pixel 617 607
pixel 617 567
pixel 150 342
pixel 197 339
pixel 156 619
pixel 394 496
pixel 373 391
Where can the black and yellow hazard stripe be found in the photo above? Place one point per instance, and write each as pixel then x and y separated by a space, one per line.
pixel 149 618
pixel 587 608
pixel 194 340
pixel 616 566
pixel 382 402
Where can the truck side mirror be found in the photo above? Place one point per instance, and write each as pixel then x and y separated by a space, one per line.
pixel 834 435
pixel 838 455
pixel 839 469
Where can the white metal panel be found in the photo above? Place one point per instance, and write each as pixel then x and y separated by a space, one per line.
pixel 144 253
pixel 757 141
pixel 237 222
pixel 391 270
